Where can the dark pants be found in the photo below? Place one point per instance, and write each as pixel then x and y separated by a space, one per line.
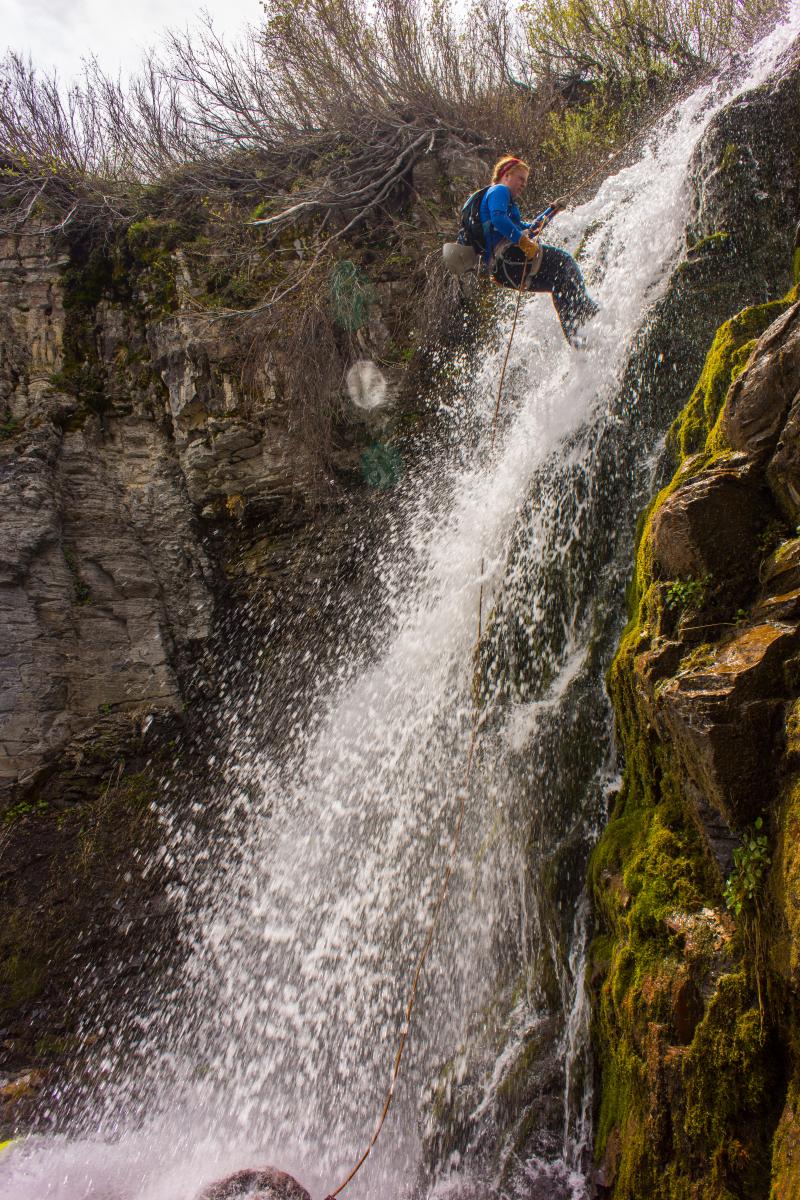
pixel 558 274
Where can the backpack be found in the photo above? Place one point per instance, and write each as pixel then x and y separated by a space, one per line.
pixel 471 231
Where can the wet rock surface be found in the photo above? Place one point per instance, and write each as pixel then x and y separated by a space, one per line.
pixel 718 683
pixel 709 538
pixel 261 1183
pixel 757 405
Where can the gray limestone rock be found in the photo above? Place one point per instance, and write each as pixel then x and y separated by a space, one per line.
pixel 103 582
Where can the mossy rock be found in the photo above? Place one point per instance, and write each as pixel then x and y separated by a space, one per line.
pixel 786 1152
pixel 727 358
pixel 691 1062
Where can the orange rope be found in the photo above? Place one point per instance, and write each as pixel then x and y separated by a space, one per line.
pixel 454 844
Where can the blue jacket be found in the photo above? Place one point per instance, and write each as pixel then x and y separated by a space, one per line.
pixel 502 219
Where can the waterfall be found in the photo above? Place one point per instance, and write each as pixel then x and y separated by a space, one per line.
pixel 303 917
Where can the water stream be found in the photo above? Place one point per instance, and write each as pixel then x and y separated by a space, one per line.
pixel 274 1041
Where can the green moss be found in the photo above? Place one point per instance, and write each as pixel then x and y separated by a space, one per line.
pixel 696 659
pixel 786 1152
pixel 22 979
pixel 695 447
pixel 149 239
pixel 81 593
pixel 649 865
pixel 785 881
pixel 714 241
pixel 796 265
pixel 9 428
pixel 25 808
pixel 726 360
pixel 224 290
pixel 732 157
pixel 724 1071
pixel 151 245
pixel 88 279
pixel 51 1045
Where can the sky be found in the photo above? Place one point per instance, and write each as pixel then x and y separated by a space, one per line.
pixel 60 33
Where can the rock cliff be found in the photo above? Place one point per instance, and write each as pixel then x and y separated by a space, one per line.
pixel 106 588
pixel 163 449
pixel 155 492
pixel 695 877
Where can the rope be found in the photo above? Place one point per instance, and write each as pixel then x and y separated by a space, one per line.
pixel 520 290
pixel 456 838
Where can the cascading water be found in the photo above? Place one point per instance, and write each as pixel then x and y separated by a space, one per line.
pixel 274 1042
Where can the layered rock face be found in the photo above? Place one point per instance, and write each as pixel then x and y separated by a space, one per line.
pixel 105 585
pixel 698 993
pixel 150 464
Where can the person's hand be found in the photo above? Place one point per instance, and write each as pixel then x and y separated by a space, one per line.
pixel 528 246
pixel 560 204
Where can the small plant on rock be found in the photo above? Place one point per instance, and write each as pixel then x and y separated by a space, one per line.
pixel 772 535
pixel 744 897
pixel 687 593
pixel 750 863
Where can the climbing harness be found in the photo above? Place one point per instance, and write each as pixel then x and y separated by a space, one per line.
pixel 467 254
pixel 456 838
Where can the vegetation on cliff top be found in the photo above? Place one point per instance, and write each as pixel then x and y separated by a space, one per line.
pixel 352 134
pixel 318 119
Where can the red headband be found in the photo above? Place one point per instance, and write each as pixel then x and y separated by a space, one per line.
pixel 513 162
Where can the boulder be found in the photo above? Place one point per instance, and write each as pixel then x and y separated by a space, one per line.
pixel 783 471
pixel 759 400
pixel 258 1183
pixel 723 719
pixel 711 524
pixel 781 572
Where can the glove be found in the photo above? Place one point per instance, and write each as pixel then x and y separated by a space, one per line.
pixel 528 246
pixel 560 204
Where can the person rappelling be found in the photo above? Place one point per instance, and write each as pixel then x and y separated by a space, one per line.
pixel 493 237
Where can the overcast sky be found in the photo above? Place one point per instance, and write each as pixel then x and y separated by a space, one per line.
pixel 59 33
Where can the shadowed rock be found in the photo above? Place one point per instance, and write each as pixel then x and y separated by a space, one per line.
pixel 723 719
